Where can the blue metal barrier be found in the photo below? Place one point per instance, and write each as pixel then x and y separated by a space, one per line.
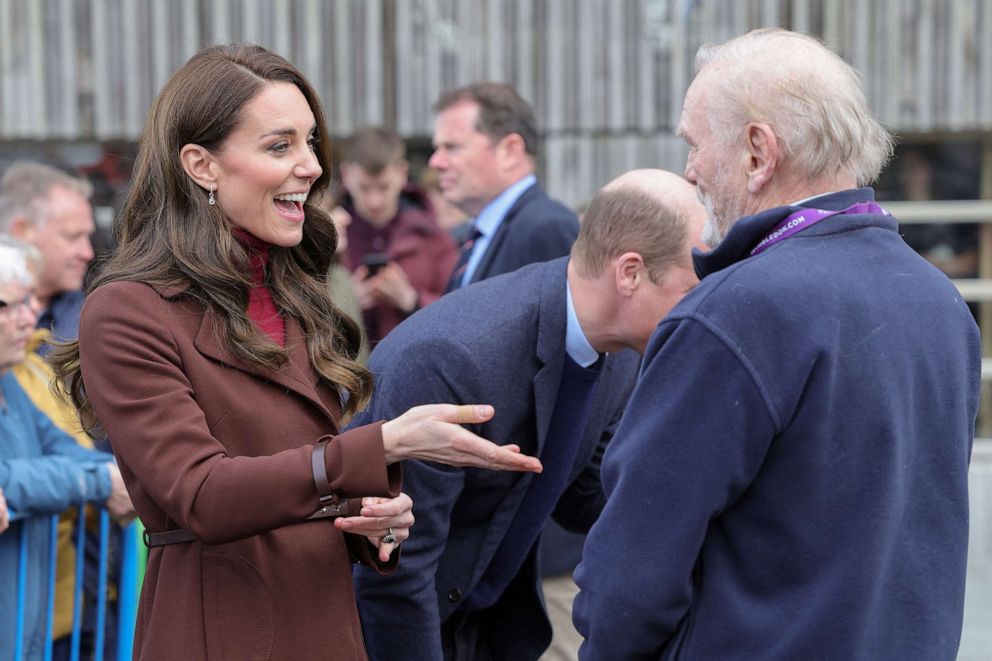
pixel 53 534
pixel 101 591
pixel 127 587
pixel 22 572
pixel 77 595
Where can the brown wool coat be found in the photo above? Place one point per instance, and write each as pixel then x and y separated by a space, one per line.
pixel 223 449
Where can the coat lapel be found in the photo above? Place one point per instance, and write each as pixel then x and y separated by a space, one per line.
pixel 482 271
pixel 297 375
pixel 550 348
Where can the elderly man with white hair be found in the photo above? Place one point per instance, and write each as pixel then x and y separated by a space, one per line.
pixel 42 470
pixel 789 480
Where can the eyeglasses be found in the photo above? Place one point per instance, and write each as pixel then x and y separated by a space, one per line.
pixel 13 305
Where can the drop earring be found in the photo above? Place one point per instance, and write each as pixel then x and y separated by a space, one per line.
pixel 211 200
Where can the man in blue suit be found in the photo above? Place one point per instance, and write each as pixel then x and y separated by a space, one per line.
pixel 531 343
pixel 485 151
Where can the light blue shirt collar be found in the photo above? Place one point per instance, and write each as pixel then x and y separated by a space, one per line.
pixel 489 220
pixel 491 216
pixel 576 344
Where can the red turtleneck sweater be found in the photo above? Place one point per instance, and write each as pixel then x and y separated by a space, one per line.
pixel 261 308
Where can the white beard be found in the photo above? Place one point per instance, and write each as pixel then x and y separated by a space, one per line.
pixel 712 235
pixel 717 226
pixel 713 231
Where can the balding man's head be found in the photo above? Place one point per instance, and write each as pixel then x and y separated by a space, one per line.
pixel 632 261
pixel 654 213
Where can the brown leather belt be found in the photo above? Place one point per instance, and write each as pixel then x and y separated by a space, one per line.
pixel 153 539
pixel 329 506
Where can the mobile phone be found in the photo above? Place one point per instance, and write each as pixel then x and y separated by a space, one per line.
pixel 375 261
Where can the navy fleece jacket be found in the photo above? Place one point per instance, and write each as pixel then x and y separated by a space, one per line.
pixel 789 480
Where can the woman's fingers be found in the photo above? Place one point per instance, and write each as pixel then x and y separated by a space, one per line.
pixel 465 414
pixel 372 526
pixel 375 506
pixel 378 516
pixel 386 549
pixel 433 432
pixel 481 453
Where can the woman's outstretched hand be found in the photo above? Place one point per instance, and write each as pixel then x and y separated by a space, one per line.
pixel 433 432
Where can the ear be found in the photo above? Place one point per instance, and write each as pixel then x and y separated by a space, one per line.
pixel 511 150
pixel 23 229
pixel 762 155
pixel 629 271
pixel 403 166
pixel 200 165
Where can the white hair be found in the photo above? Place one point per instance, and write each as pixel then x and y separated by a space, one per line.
pixel 811 98
pixel 18 262
pixel 24 191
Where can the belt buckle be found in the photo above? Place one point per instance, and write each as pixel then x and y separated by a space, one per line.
pixel 330 508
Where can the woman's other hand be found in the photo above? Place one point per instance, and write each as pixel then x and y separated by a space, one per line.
pixel 379 518
pixel 433 432
pixel 119 504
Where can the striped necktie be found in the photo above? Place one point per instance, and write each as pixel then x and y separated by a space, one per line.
pixel 455 281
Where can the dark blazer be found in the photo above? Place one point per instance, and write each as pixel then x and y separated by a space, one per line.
pixel 221 448
pixel 500 342
pixel 535 229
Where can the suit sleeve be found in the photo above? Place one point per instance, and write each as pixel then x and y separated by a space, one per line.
pixel 50 484
pixel 134 377
pixel 54 441
pixel 399 612
pixel 695 432
pixel 64 475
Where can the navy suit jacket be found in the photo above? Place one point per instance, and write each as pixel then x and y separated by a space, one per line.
pixel 500 342
pixel 535 229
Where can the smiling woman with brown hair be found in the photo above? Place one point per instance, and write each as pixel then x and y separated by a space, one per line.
pixel 211 354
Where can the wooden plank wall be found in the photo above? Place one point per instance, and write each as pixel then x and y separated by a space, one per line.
pixel 606 76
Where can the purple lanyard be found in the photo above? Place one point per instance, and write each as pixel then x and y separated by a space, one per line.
pixel 800 220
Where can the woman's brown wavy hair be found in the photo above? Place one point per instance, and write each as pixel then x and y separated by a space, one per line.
pixel 167 234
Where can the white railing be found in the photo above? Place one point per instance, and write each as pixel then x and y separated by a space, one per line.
pixel 980 492
pixel 974 290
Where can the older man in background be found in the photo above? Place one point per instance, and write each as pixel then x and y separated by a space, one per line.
pixel 51 210
pixel 485 154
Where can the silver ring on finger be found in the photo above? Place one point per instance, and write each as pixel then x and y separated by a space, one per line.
pixel 389 537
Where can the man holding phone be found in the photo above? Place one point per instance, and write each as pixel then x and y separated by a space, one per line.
pixel 400 258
